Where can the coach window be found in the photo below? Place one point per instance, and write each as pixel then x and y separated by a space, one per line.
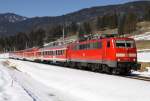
pixel 108 44
pixel 95 45
pixel 77 47
pixel 59 52
pixel 84 46
pixel 88 46
pixel 99 44
pixel 45 52
pixel 91 45
pixel 74 47
pixel 62 52
pixel 80 47
pixel 51 52
pixel 56 52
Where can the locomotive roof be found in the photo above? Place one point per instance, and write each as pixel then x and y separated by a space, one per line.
pixel 101 39
pixel 122 38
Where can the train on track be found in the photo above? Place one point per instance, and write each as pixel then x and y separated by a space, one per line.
pixel 108 54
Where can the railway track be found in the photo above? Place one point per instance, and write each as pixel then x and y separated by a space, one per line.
pixel 129 76
pixel 139 78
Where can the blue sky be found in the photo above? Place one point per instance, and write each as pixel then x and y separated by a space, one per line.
pixel 31 8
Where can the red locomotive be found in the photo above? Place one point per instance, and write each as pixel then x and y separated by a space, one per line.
pixel 111 55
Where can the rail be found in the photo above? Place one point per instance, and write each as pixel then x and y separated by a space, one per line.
pixel 137 77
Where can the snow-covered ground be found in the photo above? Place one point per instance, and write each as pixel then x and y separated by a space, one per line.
pixel 10 90
pixel 144 73
pixel 4 56
pixel 53 83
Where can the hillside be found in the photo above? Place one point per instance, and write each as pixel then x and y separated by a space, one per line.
pixel 15 23
pixel 8 21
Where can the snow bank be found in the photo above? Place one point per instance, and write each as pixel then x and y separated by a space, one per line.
pixel 86 86
pixel 145 36
pixel 4 55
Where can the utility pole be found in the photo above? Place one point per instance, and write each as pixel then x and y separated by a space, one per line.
pixel 63 34
pixel 26 45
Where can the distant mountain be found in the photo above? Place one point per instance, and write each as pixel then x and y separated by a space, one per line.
pixel 11 18
pixel 11 24
pixel 7 20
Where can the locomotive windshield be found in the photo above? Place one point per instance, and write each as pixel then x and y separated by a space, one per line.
pixel 125 44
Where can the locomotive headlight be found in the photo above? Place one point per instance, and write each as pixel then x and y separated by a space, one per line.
pixel 134 59
pixel 118 59
pixel 120 54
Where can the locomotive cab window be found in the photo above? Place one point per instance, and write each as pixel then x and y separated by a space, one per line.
pixel 125 44
pixel 120 43
pixel 130 44
pixel 108 44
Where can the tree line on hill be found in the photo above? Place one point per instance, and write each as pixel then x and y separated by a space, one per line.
pixel 125 22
